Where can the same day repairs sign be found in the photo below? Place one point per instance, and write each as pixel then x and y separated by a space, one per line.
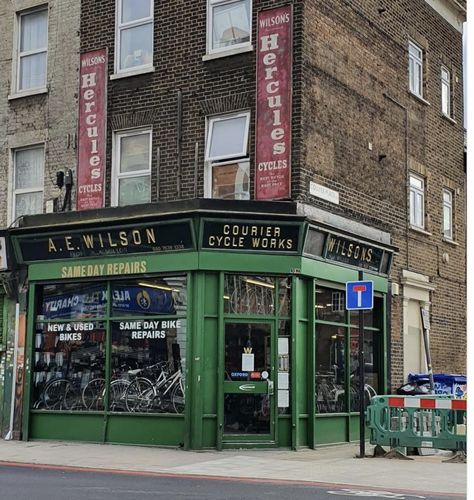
pixel 92 130
pixel 273 113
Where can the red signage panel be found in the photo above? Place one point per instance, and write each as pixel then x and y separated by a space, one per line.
pixel 92 129
pixel 273 113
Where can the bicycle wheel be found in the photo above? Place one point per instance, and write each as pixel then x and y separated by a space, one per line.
pixel 93 394
pixel 177 398
pixel 118 388
pixel 72 398
pixel 140 395
pixel 54 393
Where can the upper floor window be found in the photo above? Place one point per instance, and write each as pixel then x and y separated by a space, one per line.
pixel 227 158
pixel 134 35
pixel 445 91
pixel 228 24
pixel 32 49
pixel 131 170
pixel 27 181
pixel 417 202
pixel 448 214
pixel 415 69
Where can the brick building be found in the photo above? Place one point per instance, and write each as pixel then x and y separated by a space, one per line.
pixel 38 121
pixel 185 145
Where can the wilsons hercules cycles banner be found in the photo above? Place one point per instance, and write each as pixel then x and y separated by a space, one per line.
pixel 273 113
pixel 92 130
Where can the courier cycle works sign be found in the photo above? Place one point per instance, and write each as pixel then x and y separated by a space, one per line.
pixel 92 130
pixel 273 113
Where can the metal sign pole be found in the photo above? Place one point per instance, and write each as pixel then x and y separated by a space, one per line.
pixel 361 380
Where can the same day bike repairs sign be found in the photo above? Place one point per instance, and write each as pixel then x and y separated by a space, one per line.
pixel 273 113
pixel 92 130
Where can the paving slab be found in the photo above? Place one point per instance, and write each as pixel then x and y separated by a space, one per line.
pixel 331 464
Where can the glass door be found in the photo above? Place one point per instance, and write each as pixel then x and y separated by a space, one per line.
pixel 248 410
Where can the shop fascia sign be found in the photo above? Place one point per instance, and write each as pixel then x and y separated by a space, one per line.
pixel 254 236
pixel 350 251
pixel 169 236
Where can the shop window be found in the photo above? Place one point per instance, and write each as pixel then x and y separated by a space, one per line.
pixel 448 214
pixel 336 356
pixel 256 295
pixel 415 69
pixel 330 369
pixel 32 50
pixel 134 36
pixel 147 334
pixel 371 366
pixel 445 91
pixel 28 179
pixel 330 304
pixel 417 202
pixel 228 25
pixel 227 162
pixel 131 177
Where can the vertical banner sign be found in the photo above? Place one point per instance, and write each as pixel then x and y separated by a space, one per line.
pixel 273 113
pixel 92 129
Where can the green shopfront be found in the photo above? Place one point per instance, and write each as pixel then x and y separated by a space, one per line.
pixel 202 324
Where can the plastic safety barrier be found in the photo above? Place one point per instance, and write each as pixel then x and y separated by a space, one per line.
pixel 437 422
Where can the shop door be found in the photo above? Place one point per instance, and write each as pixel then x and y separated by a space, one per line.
pixel 248 410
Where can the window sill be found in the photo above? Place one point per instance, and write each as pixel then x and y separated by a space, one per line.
pixel 227 53
pixel 419 98
pixel 420 230
pixel 451 242
pixel 135 72
pixel 27 93
pixel 449 119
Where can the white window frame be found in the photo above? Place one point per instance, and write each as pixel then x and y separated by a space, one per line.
pixel 116 175
pixel 19 54
pixel 236 48
pixel 415 63
pixel 119 27
pixel 417 207
pixel 14 192
pixel 211 162
pixel 448 233
pixel 446 84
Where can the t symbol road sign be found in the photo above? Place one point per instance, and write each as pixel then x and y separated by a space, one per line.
pixel 359 295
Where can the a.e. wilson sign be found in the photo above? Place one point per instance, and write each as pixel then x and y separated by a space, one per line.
pixel 273 110
pixel 92 130
pixel 170 236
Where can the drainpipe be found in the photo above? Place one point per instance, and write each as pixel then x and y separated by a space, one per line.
pixel 179 132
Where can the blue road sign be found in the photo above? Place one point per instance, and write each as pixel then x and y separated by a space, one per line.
pixel 359 295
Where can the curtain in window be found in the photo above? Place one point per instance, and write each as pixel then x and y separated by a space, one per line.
pixel 29 168
pixel 34 31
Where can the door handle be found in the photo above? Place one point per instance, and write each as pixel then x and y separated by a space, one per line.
pixel 270 387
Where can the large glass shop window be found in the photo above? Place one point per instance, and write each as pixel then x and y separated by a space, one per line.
pixel 146 323
pixel 337 342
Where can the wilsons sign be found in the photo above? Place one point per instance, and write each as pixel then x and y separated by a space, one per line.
pixel 256 236
pixel 273 113
pixel 353 252
pixel 165 237
pixel 92 130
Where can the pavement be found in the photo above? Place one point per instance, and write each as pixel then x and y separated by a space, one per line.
pixel 331 465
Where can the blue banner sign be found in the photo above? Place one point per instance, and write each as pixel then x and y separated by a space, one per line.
pixel 92 302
